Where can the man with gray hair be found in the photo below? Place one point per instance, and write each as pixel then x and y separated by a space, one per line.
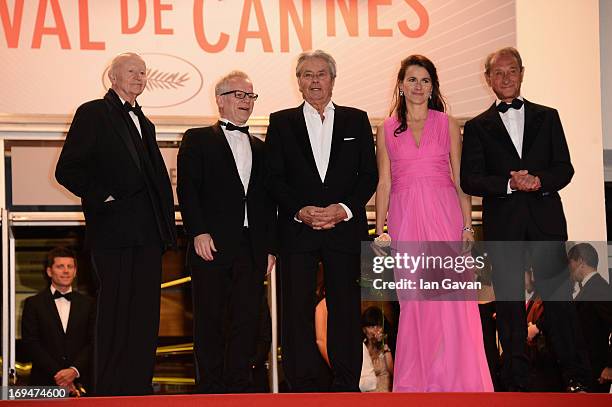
pixel 230 223
pixel 322 172
pixel 112 162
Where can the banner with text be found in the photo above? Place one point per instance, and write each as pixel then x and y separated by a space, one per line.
pixel 55 53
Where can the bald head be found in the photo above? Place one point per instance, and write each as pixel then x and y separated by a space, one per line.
pixel 128 76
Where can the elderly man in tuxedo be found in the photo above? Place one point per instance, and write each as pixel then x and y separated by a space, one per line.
pixel 112 162
pixel 230 222
pixel 516 157
pixel 57 327
pixel 594 306
pixel 322 172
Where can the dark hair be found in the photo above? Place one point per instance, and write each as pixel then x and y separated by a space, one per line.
pixel 59 252
pixel 436 102
pixel 372 316
pixel 584 252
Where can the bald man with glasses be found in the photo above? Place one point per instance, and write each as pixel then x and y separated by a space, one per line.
pixel 230 223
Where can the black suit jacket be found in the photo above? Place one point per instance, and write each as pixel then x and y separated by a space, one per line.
pixel 99 159
pixel 488 157
pixel 594 307
pixel 294 181
pixel 48 347
pixel 212 197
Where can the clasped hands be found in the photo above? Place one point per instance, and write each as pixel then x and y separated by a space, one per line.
pixel 322 218
pixel 65 378
pixel 523 181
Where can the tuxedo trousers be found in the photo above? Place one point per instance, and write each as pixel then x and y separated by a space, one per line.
pixel 545 255
pixel 301 357
pixel 226 304
pixel 127 322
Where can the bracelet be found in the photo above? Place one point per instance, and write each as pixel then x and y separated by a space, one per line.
pixel 467 229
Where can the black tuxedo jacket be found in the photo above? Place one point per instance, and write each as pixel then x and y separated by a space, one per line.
pixel 48 347
pixel 594 307
pixel 294 181
pixel 488 157
pixel 99 159
pixel 212 197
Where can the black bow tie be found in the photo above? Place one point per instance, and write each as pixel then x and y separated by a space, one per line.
pixel 57 295
pixel 129 108
pixel 516 104
pixel 230 127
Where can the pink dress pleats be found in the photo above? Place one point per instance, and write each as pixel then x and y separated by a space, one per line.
pixel 439 345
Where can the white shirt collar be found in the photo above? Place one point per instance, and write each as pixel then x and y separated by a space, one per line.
pixel 498 101
pixel 224 120
pixel 53 290
pixel 311 110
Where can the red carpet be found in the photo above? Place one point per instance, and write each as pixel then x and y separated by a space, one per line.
pixel 338 400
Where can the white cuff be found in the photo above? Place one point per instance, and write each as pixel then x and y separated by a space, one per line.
pixel 349 214
pixel 508 189
pixel 76 370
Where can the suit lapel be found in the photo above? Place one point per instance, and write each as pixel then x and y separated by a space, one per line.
pixel 301 135
pixel 226 153
pixel 533 122
pixel 53 314
pixel 254 162
pixel 496 128
pixel 121 126
pixel 337 137
pixel 76 308
pixel 588 292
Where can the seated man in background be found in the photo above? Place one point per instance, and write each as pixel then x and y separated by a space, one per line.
pixel 57 327
pixel 594 306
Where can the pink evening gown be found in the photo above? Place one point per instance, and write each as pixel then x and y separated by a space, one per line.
pixel 439 344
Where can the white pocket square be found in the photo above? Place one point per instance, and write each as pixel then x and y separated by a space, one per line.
pixel 349 138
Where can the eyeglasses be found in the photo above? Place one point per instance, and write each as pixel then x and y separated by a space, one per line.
pixel 239 94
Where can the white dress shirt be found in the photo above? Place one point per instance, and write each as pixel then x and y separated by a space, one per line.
pixel 514 122
pixel 63 307
pixel 320 136
pixel 133 116
pixel 243 157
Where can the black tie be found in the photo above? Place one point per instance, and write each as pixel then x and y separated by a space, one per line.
pixel 230 127
pixel 57 295
pixel 129 108
pixel 516 104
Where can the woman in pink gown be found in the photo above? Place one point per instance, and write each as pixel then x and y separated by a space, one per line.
pixel 439 344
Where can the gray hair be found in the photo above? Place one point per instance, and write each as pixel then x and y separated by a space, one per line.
pixel 305 56
pixel 118 60
pixel 223 84
pixel 504 51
